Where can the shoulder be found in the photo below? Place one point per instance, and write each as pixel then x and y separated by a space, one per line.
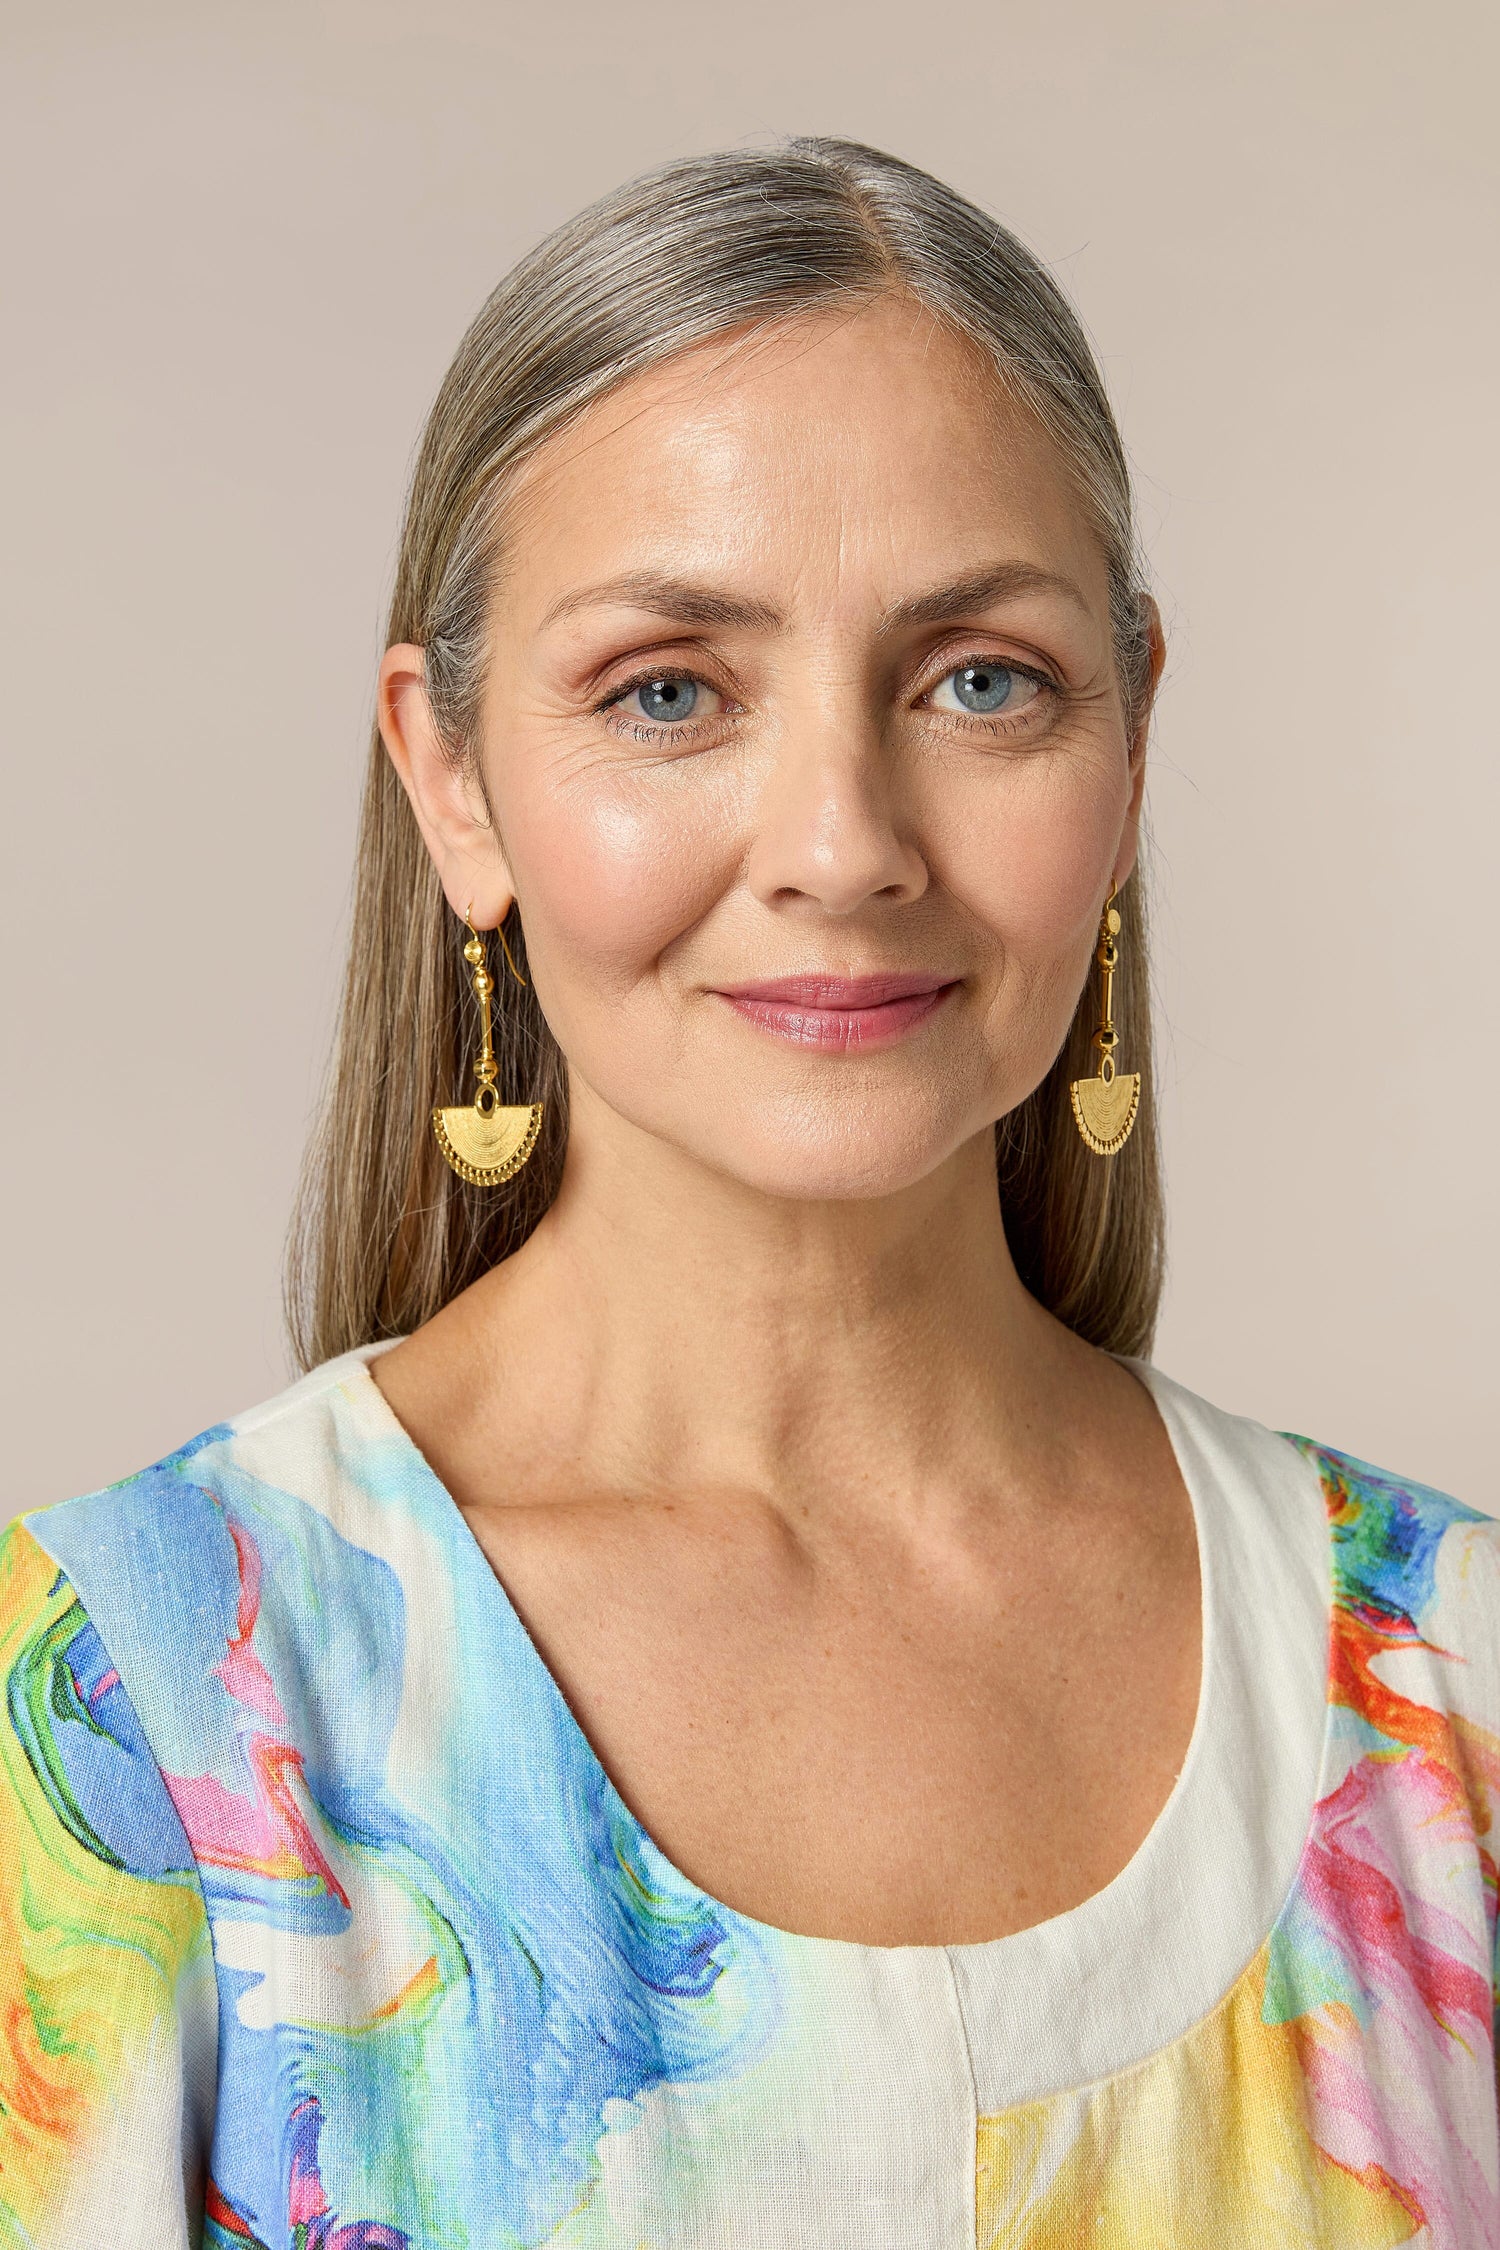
pixel 1387 1541
pixel 72 1754
pixel 302 1439
pixel 264 1546
pixel 1413 1567
pixel 1411 1591
pixel 1407 1576
pixel 1386 1524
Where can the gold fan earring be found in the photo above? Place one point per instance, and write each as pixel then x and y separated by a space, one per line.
pixel 485 1142
pixel 1104 1107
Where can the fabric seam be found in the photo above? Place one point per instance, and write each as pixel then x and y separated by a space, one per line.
pixel 973 2137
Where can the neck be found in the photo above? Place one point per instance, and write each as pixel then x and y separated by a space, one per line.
pixel 665 1326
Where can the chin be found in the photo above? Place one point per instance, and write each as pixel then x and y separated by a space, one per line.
pixel 840 1159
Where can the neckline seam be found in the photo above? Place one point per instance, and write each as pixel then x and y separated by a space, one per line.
pixel 1125 1889
pixel 348 1378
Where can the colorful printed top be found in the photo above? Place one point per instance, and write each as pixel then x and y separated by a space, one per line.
pixel 324 1927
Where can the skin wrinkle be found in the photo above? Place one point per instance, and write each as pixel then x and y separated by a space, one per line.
pixel 808 1505
pixel 788 335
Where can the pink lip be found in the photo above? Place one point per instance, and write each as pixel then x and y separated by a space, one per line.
pixel 839 1012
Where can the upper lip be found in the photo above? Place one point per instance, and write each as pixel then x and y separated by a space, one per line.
pixel 832 992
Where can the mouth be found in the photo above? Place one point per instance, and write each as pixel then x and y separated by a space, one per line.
pixel 840 1013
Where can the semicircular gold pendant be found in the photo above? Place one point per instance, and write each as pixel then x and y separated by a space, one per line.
pixel 1104 1109
pixel 486 1149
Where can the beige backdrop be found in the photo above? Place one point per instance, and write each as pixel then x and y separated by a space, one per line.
pixel 243 239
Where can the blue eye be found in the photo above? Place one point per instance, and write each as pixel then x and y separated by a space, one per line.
pixel 665 699
pixel 985 688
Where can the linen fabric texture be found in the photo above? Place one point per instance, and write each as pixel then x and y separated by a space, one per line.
pixel 322 1927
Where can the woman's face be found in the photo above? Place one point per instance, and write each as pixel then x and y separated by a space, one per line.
pixel 806 751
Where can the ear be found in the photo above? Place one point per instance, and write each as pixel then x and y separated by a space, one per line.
pixel 445 795
pixel 1130 834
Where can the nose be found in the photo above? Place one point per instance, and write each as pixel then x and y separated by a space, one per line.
pixel 829 827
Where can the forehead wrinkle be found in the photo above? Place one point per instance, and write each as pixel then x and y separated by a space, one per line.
pixel 694 372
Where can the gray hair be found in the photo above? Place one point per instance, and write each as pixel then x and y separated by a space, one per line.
pixel 713 244
pixel 384 1234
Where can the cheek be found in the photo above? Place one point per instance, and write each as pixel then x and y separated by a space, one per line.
pixel 611 868
pixel 1032 868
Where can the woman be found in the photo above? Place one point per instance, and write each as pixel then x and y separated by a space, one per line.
pixel 733 1707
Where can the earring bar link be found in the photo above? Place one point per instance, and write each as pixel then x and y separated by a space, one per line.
pixel 1105 1106
pixel 486 1142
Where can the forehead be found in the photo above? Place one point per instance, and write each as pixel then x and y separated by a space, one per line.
pixel 848 452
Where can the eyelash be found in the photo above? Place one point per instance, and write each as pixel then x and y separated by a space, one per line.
pixel 985 660
pixel 641 730
pixel 686 730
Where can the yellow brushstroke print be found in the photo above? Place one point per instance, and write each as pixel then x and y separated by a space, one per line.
pixel 90 1954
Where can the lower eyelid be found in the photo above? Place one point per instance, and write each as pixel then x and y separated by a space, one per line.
pixel 633 729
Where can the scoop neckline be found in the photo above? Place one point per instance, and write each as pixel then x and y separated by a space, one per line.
pixel 1179 1839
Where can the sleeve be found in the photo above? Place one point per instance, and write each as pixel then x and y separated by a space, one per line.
pixel 108 2012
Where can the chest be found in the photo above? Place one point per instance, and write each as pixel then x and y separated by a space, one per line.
pixel 893 1747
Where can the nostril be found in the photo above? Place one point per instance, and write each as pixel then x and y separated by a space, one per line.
pixel 841 853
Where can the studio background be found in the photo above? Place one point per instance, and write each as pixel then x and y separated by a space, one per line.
pixel 243 243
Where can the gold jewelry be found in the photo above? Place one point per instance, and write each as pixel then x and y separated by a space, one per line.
pixel 485 1142
pixel 1104 1107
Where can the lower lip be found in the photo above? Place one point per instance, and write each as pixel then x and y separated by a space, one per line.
pixel 840 1029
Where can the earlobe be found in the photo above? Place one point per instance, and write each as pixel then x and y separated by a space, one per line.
pixel 448 805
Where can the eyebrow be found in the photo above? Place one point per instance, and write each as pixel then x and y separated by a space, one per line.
pixel 977 589
pixel 669 597
pixel 693 604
